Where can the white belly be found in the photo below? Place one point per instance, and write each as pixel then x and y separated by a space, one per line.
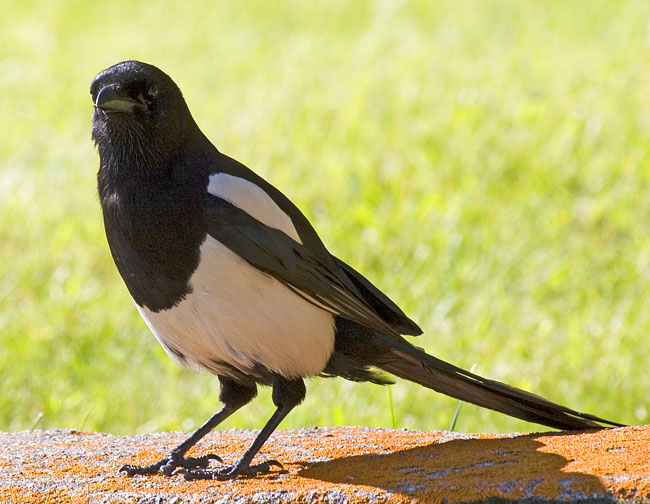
pixel 238 315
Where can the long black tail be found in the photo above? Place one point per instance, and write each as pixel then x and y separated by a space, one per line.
pixel 413 364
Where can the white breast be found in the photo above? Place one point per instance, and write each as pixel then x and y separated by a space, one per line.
pixel 241 316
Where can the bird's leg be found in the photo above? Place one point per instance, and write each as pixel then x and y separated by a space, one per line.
pixel 234 395
pixel 287 394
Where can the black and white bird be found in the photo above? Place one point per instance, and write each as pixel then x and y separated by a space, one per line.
pixel 231 278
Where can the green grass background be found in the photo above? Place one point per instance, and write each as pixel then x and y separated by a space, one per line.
pixel 486 163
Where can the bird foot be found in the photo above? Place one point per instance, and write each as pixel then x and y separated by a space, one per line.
pixel 168 464
pixel 231 472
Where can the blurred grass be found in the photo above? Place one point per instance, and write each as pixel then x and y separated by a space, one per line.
pixel 485 163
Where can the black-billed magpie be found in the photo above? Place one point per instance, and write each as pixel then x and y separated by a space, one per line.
pixel 232 279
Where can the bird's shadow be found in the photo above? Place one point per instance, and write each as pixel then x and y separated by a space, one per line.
pixel 464 470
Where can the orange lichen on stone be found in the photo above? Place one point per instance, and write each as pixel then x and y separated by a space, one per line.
pixel 321 465
pixel 618 458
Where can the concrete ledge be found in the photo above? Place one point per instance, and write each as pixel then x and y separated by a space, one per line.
pixel 336 465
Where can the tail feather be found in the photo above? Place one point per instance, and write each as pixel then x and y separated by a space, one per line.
pixel 409 362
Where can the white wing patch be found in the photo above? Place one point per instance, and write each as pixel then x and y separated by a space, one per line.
pixel 239 315
pixel 253 200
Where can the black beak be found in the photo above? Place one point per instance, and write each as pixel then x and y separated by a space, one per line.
pixel 110 100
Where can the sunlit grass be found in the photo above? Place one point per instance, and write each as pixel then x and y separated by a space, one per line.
pixel 485 163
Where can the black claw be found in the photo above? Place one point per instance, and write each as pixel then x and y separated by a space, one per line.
pixel 168 465
pixel 133 470
pixel 168 469
pixel 203 461
pixel 231 472
pixel 274 463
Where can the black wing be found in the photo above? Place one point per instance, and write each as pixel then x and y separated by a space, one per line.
pixel 314 275
pixel 380 302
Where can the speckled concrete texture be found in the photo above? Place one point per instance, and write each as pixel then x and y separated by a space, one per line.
pixel 336 465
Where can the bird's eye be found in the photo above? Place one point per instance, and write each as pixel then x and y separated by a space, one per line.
pixel 153 90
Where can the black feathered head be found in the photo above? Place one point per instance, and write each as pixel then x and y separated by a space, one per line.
pixel 140 116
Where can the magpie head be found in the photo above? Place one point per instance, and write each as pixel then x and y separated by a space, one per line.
pixel 140 115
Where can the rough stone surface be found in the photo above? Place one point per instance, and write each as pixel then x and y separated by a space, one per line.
pixel 336 465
